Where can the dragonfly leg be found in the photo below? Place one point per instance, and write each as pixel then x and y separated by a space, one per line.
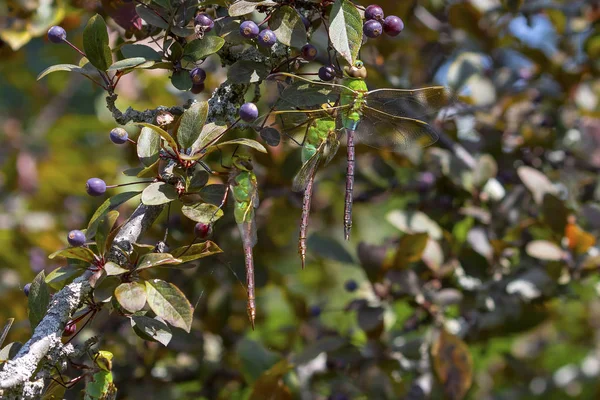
pixel 251 308
pixel 306 202
pixel 349 185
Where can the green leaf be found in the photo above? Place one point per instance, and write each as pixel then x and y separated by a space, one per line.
pixel 114 269
pixel 95 43
pixel 105 224
pixel 139 50
pixel 181 79
pixel 288 27
pixel 105 286
pixel 78 253
pixel 150 171
pixel 108 205
pixel 196 251
pixel 130 63
pixel 167 302
pixel 240 142
pixel 198 180
pixel 54 391
pixel 191 124
pixel 213 194
pixel 346 29
pixel 155 259
pixel 148 146
pixel 204 212
pixel 270 385
pixel 324 345
pixel 39 299
pixel 210 133
pixel 151 329
pixel 164 134
pixel 158 193
pixel 410 249
pixel 329 248
pixel 243 7
pixel 61 276
pixel 452 364
pixel 255 359
pixel 201 48
pixel 245 71
pixel 61 67
pixel 4 331
pixel 131 296
pixel 151 17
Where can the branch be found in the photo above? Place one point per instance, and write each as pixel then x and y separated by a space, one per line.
pixel 132 115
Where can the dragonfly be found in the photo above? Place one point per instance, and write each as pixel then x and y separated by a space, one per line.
pixel 321 140
pixel 382 118
pixel 101 387
pixel 244 190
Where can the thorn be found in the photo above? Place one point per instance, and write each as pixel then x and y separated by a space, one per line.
pixel 252 322
pixel 303 261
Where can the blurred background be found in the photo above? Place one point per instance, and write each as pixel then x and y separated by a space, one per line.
pixel 508 198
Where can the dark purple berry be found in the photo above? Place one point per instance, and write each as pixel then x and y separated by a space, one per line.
pixel 327 73
pixel 309 52
pixel 56 34
pixel 393 25
pixel 95 187
pixel 198 76
pixel 351 285
pixel 248 112
pixel 203 230
pixel 26 289
pixel 306 22
pixel 372 28
pixel 76 238
pixel 267 38
pixel 314 311
pixel 197 89
pixel 119 136
pixel 70 329
pixel 249 29
pixel 374 12
pixel 205 22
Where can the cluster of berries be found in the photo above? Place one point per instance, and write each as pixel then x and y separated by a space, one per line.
pixel 376 23
pixel 250 30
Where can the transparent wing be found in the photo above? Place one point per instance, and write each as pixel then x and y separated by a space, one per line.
pixel 308 170
pixel 301 92
pixel 385 131
pixel 333 144
pixel 248 232
pixel 415 103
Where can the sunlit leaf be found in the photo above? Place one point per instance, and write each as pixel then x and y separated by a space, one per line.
pixel 148 146
pixel 204 212
pixel 152 329
pixel 346 29
pixel 79 253
pixel 288 27
pixel 155 259
pixel 131 296
pixel 38 299
pixel 192 122
pixel 544 250
pixel 196 251
pixel 158 193
pixel 201 48
pixel 243 7
pixel 452 364
pixel 167 302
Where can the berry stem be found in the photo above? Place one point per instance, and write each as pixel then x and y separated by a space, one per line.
pixel 266 20
pixel 127 184
pixel 132 141
pixel 75 48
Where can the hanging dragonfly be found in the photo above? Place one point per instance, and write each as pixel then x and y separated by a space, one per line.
pixel 244 190
pixel 379 118
pixel 101 387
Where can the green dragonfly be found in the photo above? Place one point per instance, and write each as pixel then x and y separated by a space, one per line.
pixel 382 118
pixel 101 387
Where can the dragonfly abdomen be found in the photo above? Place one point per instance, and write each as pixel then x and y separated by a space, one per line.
pixel 349 184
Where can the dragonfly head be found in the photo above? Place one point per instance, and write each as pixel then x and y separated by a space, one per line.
pixel 104 360
pixel 357 71
pixel 243 163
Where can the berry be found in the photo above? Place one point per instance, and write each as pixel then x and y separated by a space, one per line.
pixel 351 285
pixel 119 136
pixel 26 289
pixel 249 29
pixel 326 73
pixel 70 329
pixel 393 25
pixel 374 12
pixel 372 29
pixel 203 230
pixel 205 22
pixel 248 112
pixel 197 89
pixel 76 238
pixel 309 52
pixel 314 311
pixel 198 76
pixel 95 187
pixel 306 22
pixel 57 34
pixel 267 38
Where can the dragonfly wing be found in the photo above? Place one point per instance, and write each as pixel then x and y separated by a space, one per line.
pixel 415 103
pixel 248 232
pixel 307 170
pixel 333 145
pixel 380 130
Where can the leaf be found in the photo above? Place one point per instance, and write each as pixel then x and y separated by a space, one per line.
pixel 191 124
pixel 544 250
pixel 148 146
pixel 95 43
pixel 452 364
pixel 9 351
pixel 270 386
pixel 246 71
pixel 485 169
pixel 150 171
pixel 414 222
pixel 130 63
pixel 196 251
pixel 555 213
pixel 410 249
pixel 164 134
pixel 5 330
pixel 243 7
pixel 38 299
pixel 61 67
pixel 105 224
pixel 198 49
pixel 78 253
pixel 131 296
pixel 158 193
pixel 370 320
pixel 323 345
pixel 288 27
pixel 151 17
pixel 155 259
pixel 240 142
pixel 198 180
pixel 210 133
pixel 346 30
pixel 61 276
pixel 152 329
pixel 139 50
pixel 329 248
pixel 537 183
pixel 181 80
pixel 213 194
pixel 54 391
pixel 271 136
pixel 104 288
pixel 255 359
pixel 108 205
pixel 204 212
pixel 167 302
pixel 114 269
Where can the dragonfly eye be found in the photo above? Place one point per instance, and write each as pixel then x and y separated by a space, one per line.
pixel 357 71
